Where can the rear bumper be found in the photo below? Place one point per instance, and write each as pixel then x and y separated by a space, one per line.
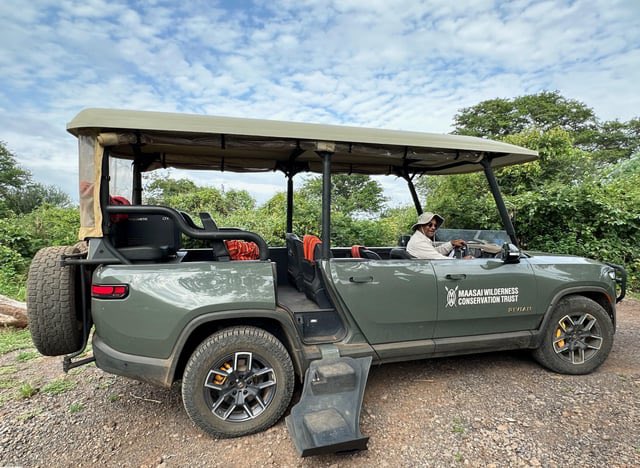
pixel 151 370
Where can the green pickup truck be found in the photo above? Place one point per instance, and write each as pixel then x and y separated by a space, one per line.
pixel 240 334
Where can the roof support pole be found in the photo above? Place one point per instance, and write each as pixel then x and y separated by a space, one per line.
pixel 414 195
pixel 326 203
pixel 497 196
pixel 137 184
pixel 289 202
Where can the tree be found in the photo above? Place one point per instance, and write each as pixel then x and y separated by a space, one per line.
pixel 12 178
pixel 608 141
pixel 351 195
pixel 544 111
pixel 19 193
pixel 186 195
pixel 162 187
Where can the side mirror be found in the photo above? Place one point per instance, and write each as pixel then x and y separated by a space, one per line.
pixel 510 253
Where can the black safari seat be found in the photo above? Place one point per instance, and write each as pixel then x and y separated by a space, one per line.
pixel 150 238
pixel 400 253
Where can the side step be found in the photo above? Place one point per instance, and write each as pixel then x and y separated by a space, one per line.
pixel 326 419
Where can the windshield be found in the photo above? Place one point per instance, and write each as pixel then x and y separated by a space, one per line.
pixel 477 235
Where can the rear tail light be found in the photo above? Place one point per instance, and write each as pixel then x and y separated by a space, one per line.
pixel 106 291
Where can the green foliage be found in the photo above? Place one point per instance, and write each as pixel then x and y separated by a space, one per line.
pixel 26 390
pixel 354 194
pixel 580 197
pixel 463 200
pixel 19 193
pixel 58 386
pixel 598 218
pixel 24 356
pixel 21 236
pixel 12 339
pixel 559 162
pixel 607 141
pixel 546 110
pixel 7 370
pixel 33 195
pixel 12 178
pixel 13 273
pixel 75 407
pixel 50 225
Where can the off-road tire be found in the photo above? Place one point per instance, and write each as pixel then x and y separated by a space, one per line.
pixel 220 347
pixel 575 307
pixel 52 296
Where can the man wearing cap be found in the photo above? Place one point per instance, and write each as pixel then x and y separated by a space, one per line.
pixel 421 243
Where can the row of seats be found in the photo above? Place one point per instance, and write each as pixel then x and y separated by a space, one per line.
pixel 303 270
pixel 304 273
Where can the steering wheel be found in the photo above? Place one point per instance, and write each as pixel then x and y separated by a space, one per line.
pixel 459 252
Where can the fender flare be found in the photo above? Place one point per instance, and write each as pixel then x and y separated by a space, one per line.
pixel 293 344
pixel 536 339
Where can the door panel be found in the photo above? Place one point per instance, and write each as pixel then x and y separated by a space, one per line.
pixel 485 296
pixel 390 300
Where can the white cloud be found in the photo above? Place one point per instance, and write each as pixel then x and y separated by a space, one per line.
pixel 397 64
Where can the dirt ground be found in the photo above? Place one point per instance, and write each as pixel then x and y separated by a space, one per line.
pixel 490 409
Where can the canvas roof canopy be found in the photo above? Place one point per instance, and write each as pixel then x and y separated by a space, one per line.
pixel 250 145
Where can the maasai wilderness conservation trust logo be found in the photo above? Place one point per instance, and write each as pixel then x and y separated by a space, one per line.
pixel 464 297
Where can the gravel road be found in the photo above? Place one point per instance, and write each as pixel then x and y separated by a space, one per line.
pixel 492 410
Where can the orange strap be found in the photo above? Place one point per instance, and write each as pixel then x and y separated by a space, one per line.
pixel 309 243
pixel 355 251
pixel 242 250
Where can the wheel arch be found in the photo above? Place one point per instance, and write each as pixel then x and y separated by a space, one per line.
pixel 598 295
pixel 204 326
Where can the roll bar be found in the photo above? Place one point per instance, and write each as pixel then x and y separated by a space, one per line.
pixel 188 230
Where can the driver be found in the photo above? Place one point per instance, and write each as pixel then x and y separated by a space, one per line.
pixel 421 243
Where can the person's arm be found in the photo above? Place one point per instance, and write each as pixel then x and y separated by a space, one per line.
pixel 421 247
pixel 445 249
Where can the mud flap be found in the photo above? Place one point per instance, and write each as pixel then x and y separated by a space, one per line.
pixel 326 419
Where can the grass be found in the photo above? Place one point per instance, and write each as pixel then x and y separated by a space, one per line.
pixel 114 397
pixel 12 339
pixel 7 370
pixel 75 408
pixel 457 426
pixel 24 356
pixel 458 457
pixel 58 386
pixel 634 295
pixel 26 390
pixel 7 383
pixel 29 415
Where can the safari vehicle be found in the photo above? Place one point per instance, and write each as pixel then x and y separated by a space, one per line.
pixel 240 333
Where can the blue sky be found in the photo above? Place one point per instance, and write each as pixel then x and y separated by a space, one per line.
pixel 408 65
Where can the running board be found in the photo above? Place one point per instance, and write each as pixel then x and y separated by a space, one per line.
pixel 326 419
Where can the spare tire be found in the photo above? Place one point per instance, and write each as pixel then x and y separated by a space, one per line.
pixel 52 298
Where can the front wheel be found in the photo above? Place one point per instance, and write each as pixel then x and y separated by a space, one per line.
pixel 237 382
pixel 578 338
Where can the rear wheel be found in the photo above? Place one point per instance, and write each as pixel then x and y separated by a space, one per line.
pixel 578 338
pixel 52 296
pixel 237 382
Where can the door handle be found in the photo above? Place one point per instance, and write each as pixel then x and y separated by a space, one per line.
pixel 360 279
pixel 461 276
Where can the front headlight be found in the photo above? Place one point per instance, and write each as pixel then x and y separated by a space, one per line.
pixel 612 274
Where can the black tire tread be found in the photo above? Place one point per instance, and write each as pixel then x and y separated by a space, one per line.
pixel 545 354
pixel 51 304
pixel 237 337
